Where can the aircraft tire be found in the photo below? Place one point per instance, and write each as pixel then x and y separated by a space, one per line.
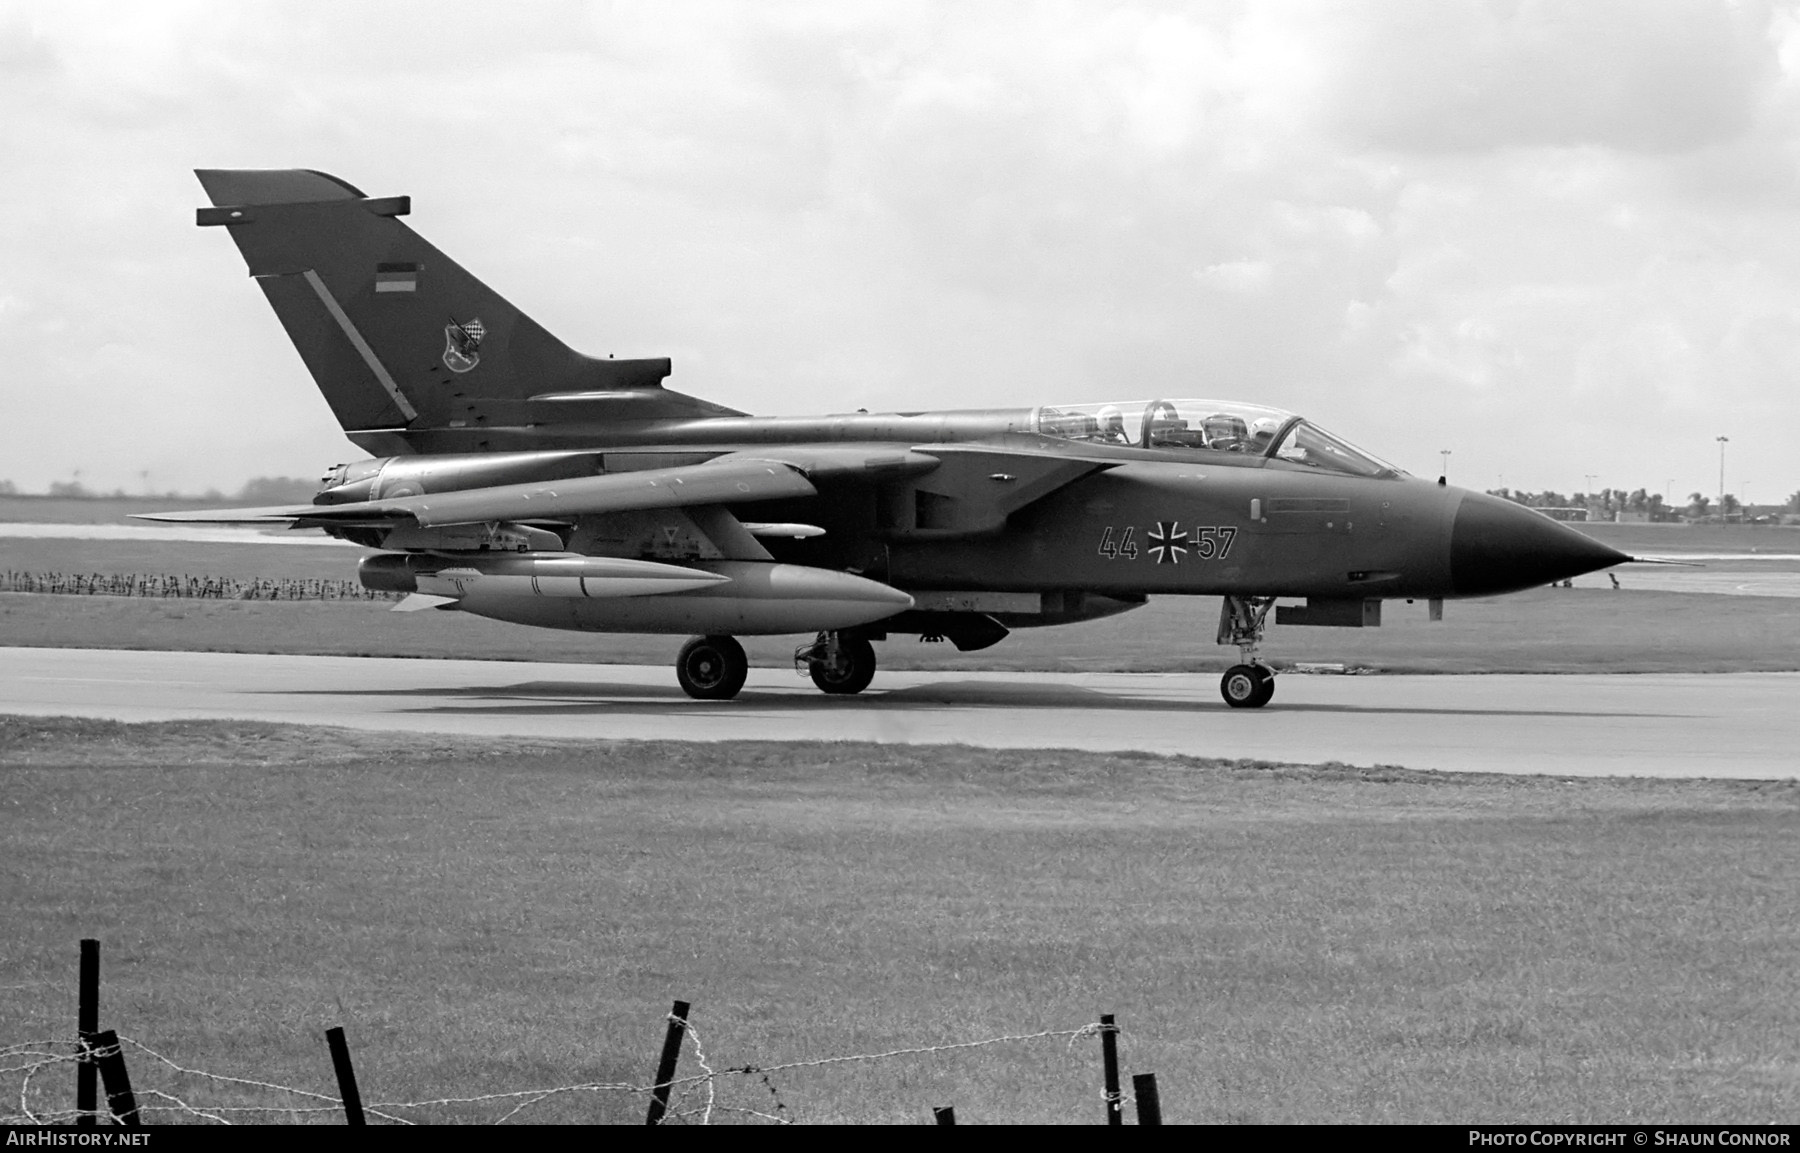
pixel 852 675
pixel 1267 692
pixel 712 668
pixel 1247 686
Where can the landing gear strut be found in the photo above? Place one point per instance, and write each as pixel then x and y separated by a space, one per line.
pixel 839 664
pixel 712 668
pixel 1248 685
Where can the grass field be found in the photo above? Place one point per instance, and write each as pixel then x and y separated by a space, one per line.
pixel 241 561
pixel 1280 943
pixel 1657 539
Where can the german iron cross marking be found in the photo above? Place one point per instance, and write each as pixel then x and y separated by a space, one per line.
pixel 1168 544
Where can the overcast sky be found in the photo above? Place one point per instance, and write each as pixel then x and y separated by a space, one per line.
pixel 1556 239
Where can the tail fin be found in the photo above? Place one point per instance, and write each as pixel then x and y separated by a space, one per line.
pixel 401 339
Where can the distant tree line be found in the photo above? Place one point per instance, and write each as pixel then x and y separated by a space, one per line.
pixel 186 586
pixel 1608 503
pixel 260 490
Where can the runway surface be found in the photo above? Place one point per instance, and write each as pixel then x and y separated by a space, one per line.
pixel 1736 725
pixel 1718 579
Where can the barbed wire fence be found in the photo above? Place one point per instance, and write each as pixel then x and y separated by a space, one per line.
pixel 100 1055
pixel 185 586
pixel 691 1099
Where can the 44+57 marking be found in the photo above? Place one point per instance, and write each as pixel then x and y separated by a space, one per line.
pixel 1167 543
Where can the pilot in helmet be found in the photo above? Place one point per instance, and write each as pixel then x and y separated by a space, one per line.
pixel 1262 431
pixel 1112 424
pixel 1225 431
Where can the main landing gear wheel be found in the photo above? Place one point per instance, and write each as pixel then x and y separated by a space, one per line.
pixel 1247 686
pixel 1250 684
pixel 712 668
pixel 843 668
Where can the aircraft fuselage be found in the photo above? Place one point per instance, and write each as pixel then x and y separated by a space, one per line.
pixel 1135 521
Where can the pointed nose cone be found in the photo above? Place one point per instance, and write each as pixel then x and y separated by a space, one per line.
pixel 1497 546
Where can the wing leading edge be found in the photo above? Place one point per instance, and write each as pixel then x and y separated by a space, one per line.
pixel 707 484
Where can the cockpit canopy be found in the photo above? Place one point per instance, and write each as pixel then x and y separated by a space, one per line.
pixel 1208 427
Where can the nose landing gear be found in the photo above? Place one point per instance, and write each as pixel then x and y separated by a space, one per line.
pixel 1251 684
pixel 1247 686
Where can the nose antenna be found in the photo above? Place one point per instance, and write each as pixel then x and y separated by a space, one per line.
pixel 1663 560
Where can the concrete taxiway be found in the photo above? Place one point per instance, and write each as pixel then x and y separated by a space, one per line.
pixel 1736 725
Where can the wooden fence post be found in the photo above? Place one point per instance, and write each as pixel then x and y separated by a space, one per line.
pixel 946 1115
pixel 119 1097
pixel 1109 1057
pixel 346 1076
pixel 665 1068
pixel 87 1022
pixel 1149 1105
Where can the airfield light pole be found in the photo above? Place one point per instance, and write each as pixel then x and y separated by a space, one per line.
pixel 1723 441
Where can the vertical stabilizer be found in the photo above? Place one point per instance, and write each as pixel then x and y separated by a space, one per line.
pixel 397 335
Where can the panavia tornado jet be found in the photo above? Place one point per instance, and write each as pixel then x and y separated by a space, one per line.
pixel 517 479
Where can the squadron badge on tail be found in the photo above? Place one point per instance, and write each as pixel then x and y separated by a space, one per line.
pixel 462 345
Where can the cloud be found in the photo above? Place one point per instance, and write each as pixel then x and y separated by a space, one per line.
pixel 1467 75
pixel 1247 276
pixel 24 50
pixel 1415 219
